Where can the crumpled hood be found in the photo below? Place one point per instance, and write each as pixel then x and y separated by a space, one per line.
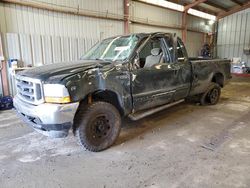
pixel 58 71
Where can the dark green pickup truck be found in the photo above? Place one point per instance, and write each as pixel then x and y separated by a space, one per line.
pixel 124 76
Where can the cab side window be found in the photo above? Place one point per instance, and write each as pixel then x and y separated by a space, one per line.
pixel 152 53
pixel 180 54
pixel 170 49
pixel 145 52
pixel 181 51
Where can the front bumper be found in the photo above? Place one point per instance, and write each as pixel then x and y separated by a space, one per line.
pixel 52 120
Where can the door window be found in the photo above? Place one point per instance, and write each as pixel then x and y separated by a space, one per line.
pixel 152 53
pixel 181 51
pixel 170 49
pixel 180 54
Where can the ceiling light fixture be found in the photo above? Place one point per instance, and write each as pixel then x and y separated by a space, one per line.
pixel 180 8
pixel 165 4
pixel 201 14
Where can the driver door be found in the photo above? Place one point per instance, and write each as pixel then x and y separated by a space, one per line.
pixel 153 85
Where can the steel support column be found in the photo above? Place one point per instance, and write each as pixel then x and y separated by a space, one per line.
pixel 126 16
pixel 4 78
pixel 184 27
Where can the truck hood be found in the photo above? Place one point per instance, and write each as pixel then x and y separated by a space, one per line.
pixel 58 71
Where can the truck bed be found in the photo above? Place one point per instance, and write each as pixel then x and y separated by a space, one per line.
pixel 205 70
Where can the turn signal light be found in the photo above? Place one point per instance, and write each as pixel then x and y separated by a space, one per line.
pixel 60 100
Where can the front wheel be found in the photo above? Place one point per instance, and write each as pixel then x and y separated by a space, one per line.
pixel 98 125
pixel 212 95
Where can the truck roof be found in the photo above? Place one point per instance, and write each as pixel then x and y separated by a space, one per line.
pixel 143 35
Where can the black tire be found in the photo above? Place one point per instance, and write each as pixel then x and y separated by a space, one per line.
pixel 97 126
pixel 212 95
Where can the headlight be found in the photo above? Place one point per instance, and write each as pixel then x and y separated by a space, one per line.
pixel 56 93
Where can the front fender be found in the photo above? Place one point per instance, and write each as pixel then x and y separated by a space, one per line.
pixel 115 79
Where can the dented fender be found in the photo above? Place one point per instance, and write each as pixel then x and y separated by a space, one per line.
pixel 114 78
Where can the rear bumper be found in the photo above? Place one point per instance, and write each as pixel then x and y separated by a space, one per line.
pixel 52 120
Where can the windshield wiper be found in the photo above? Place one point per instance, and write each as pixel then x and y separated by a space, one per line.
pixel 104 60
pixel 99 59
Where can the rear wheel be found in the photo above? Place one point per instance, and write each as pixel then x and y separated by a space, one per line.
pixel 212 95
pixel 98 126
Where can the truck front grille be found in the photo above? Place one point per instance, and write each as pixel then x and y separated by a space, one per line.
pixel 29 90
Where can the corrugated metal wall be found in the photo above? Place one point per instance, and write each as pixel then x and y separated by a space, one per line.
pixel 156 15
pixel 234 35
pixel 38 37
pixel 22 19
pixel 195 40
pixel 136 28
pixel 35 36
pixel 199 24
pixel 194 43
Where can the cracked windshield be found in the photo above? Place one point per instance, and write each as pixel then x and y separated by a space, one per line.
pixel 112 49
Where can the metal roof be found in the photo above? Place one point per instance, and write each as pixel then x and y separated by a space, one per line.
pixel 216 7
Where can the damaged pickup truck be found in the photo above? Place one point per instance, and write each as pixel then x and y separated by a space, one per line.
pixel 125 76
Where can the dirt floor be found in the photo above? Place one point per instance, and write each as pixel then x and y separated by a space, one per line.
pixel 185 146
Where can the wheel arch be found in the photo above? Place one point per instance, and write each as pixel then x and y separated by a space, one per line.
pixel 101 95
pixel 105 95
pixel 218 78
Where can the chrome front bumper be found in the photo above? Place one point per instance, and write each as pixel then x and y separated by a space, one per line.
pixel 53 120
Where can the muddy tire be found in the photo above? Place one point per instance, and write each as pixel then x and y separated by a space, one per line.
pixel 212 95
pixel 97 126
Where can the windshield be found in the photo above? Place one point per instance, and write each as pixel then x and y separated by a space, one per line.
pixel 113 49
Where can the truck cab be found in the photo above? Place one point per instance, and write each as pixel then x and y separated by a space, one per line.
pixel 161 62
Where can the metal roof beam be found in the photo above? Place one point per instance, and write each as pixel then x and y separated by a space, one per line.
pixel 198 7
pixel 237 2
pixel 216 6
pixel 193 4
pixel 234 10
pixel 205 10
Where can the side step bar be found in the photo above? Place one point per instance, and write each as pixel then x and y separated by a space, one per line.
pixel 139 115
